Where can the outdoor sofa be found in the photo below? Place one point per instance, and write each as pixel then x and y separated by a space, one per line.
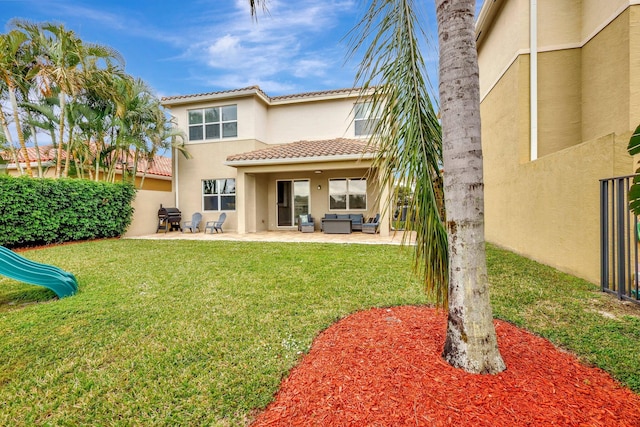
pixel 341 223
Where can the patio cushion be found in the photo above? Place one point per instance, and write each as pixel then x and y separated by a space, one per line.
pixel 330 216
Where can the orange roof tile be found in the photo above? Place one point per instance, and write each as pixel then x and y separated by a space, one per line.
pixel 257 90
pixel 307 149
pixel 161 166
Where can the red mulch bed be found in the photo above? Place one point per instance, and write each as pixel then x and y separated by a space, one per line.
pixel 383 367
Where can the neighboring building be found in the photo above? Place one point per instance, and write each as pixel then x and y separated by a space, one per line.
pixel 560 96
pixel 157 176
pixel 266 160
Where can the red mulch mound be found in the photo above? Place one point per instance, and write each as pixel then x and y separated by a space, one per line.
pixel 383 367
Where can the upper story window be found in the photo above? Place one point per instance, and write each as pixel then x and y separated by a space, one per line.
pixel 365 119
pixel 348 194
pixel 213 123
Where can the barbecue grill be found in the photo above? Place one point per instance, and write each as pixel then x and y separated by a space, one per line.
pixel 169 219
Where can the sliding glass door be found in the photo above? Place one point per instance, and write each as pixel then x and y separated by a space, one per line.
pixel 292 200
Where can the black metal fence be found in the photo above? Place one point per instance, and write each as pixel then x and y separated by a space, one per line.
pixel 618 240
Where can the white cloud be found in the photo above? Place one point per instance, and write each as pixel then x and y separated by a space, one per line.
pixel 281 46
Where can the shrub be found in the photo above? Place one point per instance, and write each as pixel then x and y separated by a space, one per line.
pixel 44 211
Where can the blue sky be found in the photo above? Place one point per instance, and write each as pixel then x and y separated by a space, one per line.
pixel 195 46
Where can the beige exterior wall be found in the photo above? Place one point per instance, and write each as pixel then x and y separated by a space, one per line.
pixel 208 163
pixel 559 23
pixel 311 121
pixel 595 13
pixel 605 81
pixel 145 215
pixel 512 29
pixel 559 100
pixel 282 121
pixel 548 209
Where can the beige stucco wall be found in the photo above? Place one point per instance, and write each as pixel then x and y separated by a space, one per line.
pixel 145 215
pixel 311 121
pixel 282 121
pixel 208 163
pixel 605 81
pixel 512 30
pixel 548 209
pixel 595 12
pixel 559 100
pixel 559 23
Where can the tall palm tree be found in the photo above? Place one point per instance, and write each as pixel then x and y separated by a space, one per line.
pixel 14 67
pixel 393 61
pixel 65 63
pixel 471 342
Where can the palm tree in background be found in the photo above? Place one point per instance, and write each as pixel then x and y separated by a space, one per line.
pixel 79 94
pixel 14 70
pixel 66 63
pixel 408 135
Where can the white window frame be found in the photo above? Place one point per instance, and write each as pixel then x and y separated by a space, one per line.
pixel 365 119
pixel 220 123
pixel 221 183
pixel 349 193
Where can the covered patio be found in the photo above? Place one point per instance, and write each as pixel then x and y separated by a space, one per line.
pixel 276 185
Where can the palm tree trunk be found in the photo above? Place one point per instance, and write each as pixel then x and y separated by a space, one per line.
pixel 471 342
pixel 16 120
pixel 37 149
pixel 7 134
pixel 62 98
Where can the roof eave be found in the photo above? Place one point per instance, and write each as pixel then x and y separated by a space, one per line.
pixel 215 97
pixel 299 160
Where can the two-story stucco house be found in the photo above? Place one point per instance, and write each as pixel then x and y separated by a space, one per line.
pixel 560 96
pixel 266 160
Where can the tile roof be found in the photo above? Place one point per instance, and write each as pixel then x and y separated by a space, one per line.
pixel 307 149
pixel 222 92
pixel 161 166
pixel 256 89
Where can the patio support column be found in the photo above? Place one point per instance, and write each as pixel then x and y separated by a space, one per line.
pixel 384 228
pixel 241 208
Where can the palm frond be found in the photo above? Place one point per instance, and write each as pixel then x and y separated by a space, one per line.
pixel 407 133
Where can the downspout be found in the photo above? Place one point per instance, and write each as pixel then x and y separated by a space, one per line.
pixel 533 77
pixel 175 176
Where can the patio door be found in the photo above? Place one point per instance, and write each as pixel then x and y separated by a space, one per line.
pixel 292 200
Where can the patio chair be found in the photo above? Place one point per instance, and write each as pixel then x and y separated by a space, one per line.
pixel 215 225
pixel 306 224
pixel 371 227
pixel 194 224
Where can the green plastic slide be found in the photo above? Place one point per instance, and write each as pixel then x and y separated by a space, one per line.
pixel 22 269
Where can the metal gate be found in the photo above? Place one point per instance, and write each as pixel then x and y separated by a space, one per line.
pixel 618 240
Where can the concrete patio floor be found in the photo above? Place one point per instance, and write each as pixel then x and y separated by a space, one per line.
pixel 395 238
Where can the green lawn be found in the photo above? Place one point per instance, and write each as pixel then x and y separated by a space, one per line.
pixel 201 333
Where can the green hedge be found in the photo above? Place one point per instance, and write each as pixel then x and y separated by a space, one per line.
pixel 43 211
